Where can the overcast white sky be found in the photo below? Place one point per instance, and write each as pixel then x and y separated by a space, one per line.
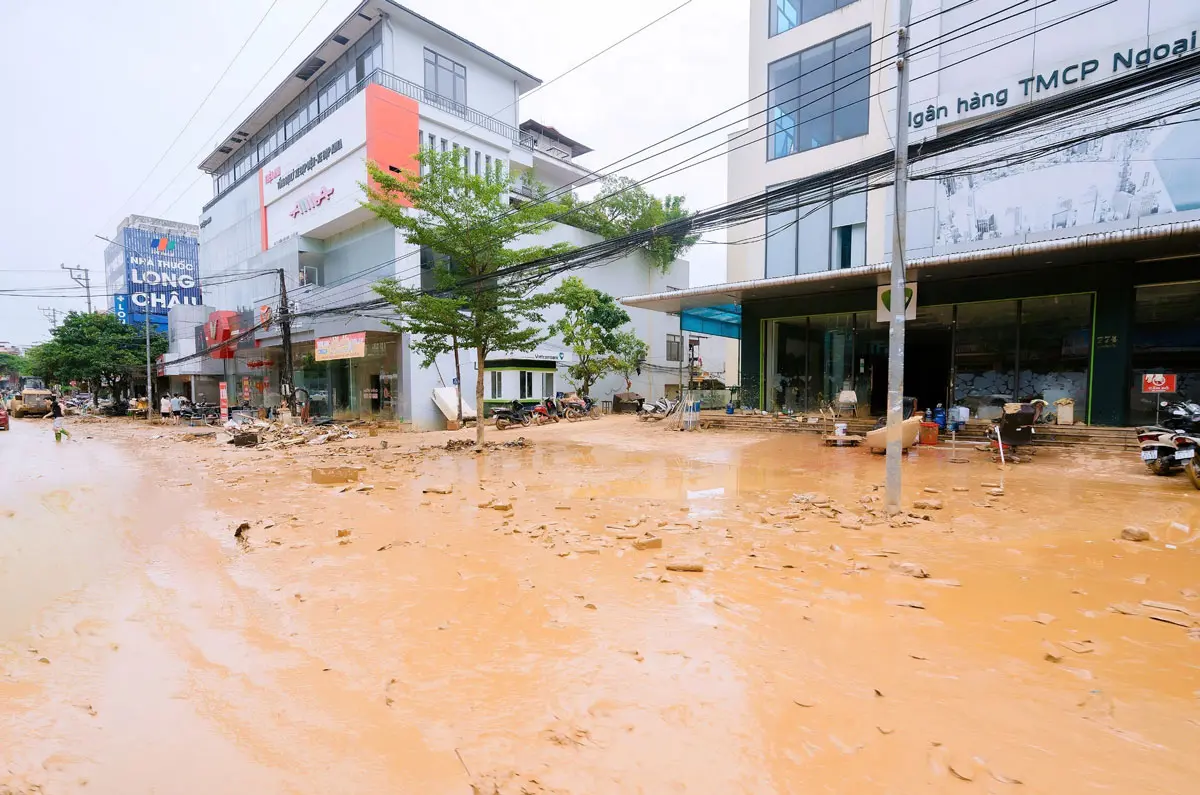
pixel 96 92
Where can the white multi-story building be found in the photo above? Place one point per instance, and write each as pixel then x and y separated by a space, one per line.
pixel 1070 277
pixel 287 183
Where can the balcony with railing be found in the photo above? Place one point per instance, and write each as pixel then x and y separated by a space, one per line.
pixel 389 81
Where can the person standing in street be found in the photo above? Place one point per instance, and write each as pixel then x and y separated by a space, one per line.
pixel 164 406
pixel 176 407
pixel 57 413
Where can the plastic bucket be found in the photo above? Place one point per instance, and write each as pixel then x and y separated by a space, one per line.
pixel 929 433
pixel 839 428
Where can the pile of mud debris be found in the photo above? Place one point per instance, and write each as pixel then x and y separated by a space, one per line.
pixel 276 435
pixel 459 445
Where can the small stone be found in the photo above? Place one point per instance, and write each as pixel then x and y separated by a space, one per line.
pixel 692 567
pixel 649 542
pixel 990 485
pixel 486 503
pixel 44 660
pixel 996 492
pixel 961 489
pixel 849 521
pixel 1134 533
pixel 590 606
pixel 928 505
pixel 343 533
pixel 440 488
pixel 502 505
pixel 910 570
pixel 931 490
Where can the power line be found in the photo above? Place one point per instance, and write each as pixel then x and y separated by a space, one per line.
pixel 203 102
pixel 870 69
pixel 221 126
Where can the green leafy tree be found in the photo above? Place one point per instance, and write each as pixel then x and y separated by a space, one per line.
pixel 466 218
pixel 590 328
pixel 12 364
pixel 96 349
pixel 623 207
pixel 630 352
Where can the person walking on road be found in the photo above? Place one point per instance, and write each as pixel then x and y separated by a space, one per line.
pixel 164 407
pixel 57 413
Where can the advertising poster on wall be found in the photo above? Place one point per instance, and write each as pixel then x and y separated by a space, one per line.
pixel 224 388
pixel 342 346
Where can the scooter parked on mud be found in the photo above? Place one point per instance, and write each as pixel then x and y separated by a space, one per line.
pixel 579 408
pixel 1187 448
pixel 1158 450
pixel 514 414
pixel 663 407
pixel 546 411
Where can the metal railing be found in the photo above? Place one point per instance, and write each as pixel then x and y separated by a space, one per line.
pixel 400 86
pixel 422 94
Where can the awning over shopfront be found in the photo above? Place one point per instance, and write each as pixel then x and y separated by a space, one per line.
pixel 724 320
pixel 1146 241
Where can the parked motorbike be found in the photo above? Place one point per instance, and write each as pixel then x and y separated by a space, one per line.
pixel 208 413
pixel 546 411
pixel 663 407
pixel 1158 450
pixel 515 413
pixel 1186 447
pixel 578 408
pixel 1180 415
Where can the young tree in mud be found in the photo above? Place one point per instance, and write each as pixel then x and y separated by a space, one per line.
pixel 467 219
pixel 631 354
pixel 590 329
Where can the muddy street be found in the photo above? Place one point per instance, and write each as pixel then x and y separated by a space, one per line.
pixel 612 607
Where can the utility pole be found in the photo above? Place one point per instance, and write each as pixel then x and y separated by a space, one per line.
pixel 149 383
pixel 897 305
pixel 85 282
pixel 51 315
pixel 287 382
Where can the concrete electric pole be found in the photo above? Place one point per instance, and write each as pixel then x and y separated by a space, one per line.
pixel 897 305
pixel 51 315
pixel 85 282
pixel 287 381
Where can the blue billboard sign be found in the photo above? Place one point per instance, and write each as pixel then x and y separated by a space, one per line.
pixel 161 271
pixel 124 310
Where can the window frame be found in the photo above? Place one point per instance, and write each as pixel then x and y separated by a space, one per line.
pixel 457 75
pixel 496 385
pixel 773 28
pixel 548 380
pixel 526 378
pixel 674 342
pixel 832 91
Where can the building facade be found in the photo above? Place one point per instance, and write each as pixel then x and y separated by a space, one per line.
pixel 150 266
pixel 1071 276
pixel 286 213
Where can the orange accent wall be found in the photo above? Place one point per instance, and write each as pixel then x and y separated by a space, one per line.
pixel 262 208
pixel 393 121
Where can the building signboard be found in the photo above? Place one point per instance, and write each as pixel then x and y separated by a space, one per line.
pixel 1158 383
pixel 883 302
pixel 224 391
pixel 161 271
pixel 342 346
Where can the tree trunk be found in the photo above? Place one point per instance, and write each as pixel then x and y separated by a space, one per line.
pixel 457 379
pixel 479 352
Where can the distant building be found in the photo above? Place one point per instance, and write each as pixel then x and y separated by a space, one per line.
pixel 151 265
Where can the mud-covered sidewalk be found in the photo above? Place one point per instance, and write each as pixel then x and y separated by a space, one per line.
pixel 612 608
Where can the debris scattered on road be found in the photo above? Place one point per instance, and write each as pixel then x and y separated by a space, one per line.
pixel 928 505
pixel 910 570
pixel 692 567
pixel 649 542
pixel 1134 533
pixel 330 475
pixel 440 488
pixel 907 603
pixel 241 530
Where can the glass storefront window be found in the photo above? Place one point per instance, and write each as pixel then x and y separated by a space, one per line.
pixel 1056 346
pixel 1166 339
pixel 985 352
